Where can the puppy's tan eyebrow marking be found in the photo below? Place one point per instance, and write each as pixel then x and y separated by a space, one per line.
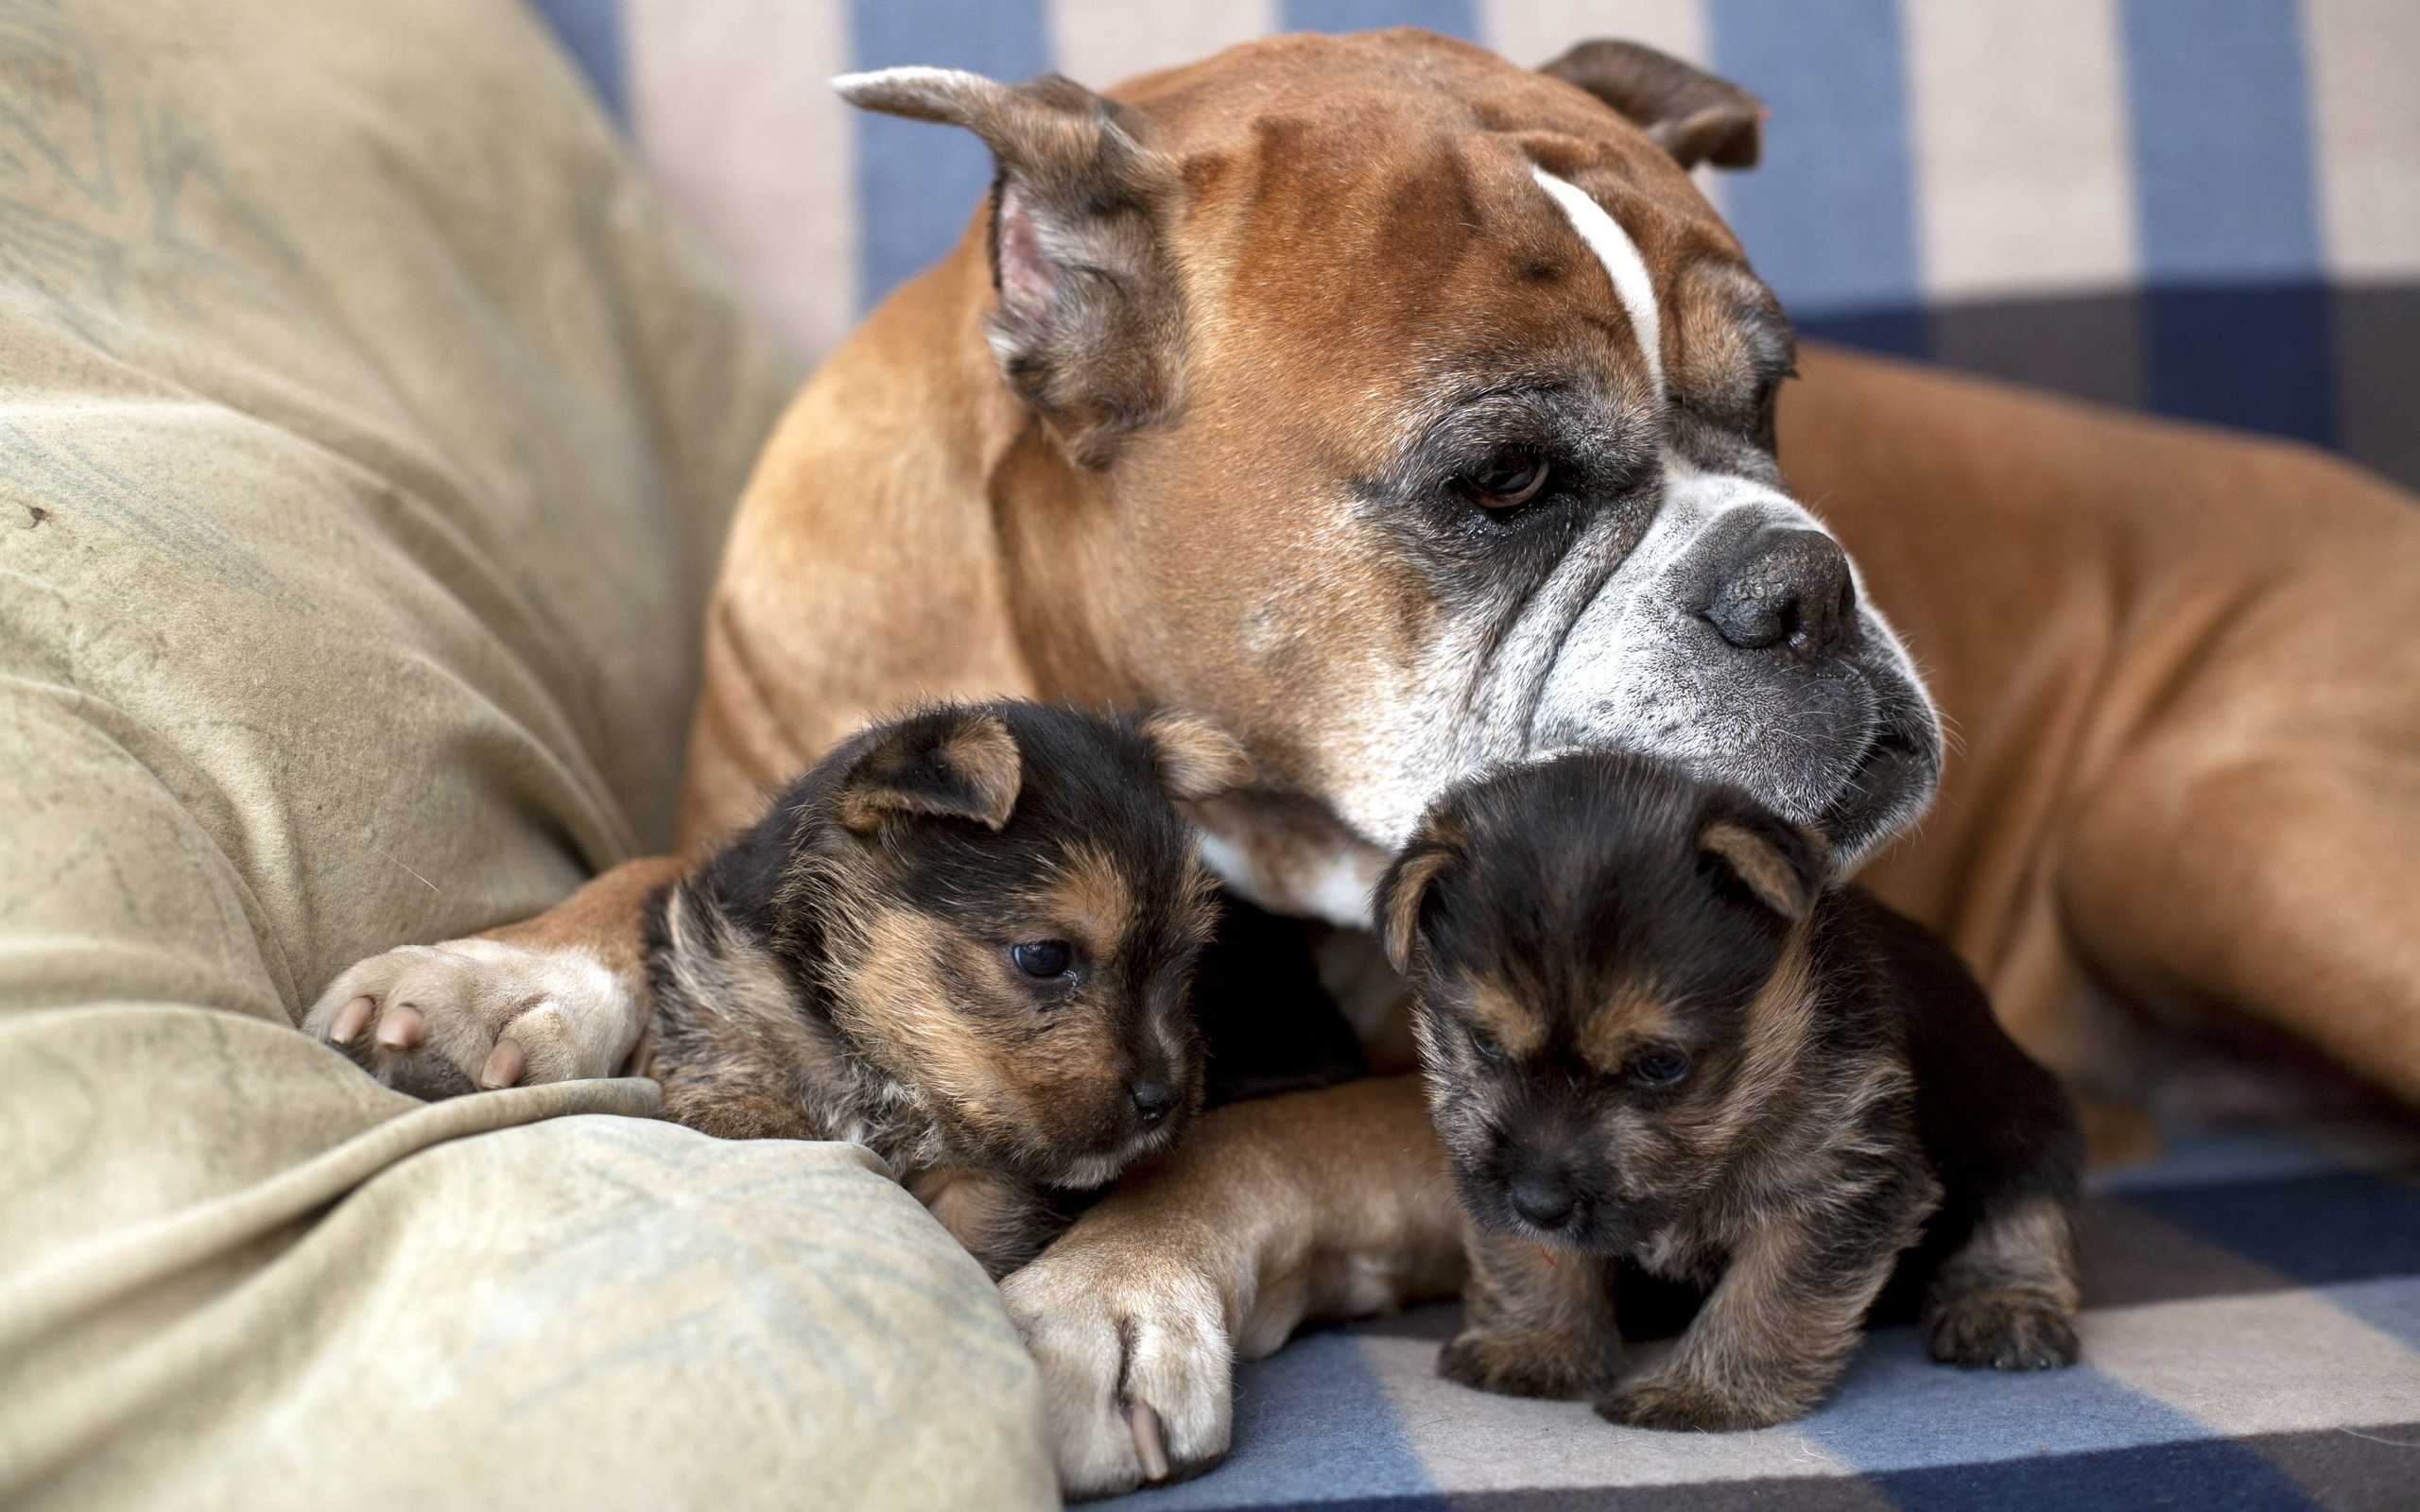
pixel 1090 891
pixel 1633 286
pixel 1635 1017
pixel 1494 1008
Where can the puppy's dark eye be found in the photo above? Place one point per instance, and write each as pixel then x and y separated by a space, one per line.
pixel 1662 1069
pixel 1507 483
pixel 1485 1043
pixel 1042 957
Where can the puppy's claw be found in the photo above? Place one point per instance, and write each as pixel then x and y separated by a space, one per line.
pixel 401 1028
pixel 503 1066
pixel 350 1020
pixel 1149 1449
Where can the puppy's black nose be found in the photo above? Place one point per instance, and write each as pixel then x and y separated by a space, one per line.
pixel 1786 588
pixel 1542 1194
pixel 1154 1101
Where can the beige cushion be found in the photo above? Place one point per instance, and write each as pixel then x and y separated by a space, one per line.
pixel 366 437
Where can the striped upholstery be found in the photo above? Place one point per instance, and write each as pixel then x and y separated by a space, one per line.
pixel 2250 1344
pixel 2208 208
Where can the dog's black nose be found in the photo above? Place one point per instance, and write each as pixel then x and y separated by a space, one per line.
pixel 1788 588
pixel 1542 1196
pixel 1154 1101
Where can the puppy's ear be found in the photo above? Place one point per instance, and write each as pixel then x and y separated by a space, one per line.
pixel 1684 110
pixel 1436 848
pixel 1782 865
pixel 950 762
pixel 1086 329
pixel 1197 760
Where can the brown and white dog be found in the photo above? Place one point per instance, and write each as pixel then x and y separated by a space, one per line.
pixel 1404 411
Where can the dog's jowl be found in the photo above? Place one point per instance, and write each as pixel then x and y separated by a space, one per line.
pixel 964 939
pixel 1656 1039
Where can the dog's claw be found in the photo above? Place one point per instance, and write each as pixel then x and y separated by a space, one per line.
pixel 350 1020
pixel 1148 1446
pixel 403 1027
pixel 503 1066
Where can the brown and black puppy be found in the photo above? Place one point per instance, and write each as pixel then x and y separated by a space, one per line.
pixel 966 939
pixel 1654 1040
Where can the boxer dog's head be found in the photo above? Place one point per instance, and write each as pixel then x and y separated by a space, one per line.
pixel 1410 414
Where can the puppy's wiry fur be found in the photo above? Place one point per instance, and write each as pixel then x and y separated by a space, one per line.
pixel 966 939
pixel 1654 1039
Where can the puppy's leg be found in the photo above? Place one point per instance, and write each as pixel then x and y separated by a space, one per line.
pixel 1777 1329
pixel 1002 1221
pixel 2008 1296
pixel 555 998
pixel 1329 1203
pixel 1535 1323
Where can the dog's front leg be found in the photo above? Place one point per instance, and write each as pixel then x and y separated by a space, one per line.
pixel 560 997
pixel 1776 1331
pixel 1535 1322
pixel 1317 1204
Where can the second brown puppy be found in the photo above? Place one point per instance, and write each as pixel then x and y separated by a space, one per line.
pixel 1655 1039
pixel 966 939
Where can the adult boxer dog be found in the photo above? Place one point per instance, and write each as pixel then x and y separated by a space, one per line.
pixel 1404 412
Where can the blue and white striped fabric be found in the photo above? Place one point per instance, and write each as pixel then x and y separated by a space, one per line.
pixel 2208 208
pixel 2252 1313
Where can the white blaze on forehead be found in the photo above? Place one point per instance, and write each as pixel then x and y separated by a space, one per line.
pixel 1613 248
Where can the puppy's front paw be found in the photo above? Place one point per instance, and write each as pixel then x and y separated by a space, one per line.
pixel 1520 1364
pixel 1136 1363
pixel 437 1021
pixel 2006 1327
pixel 1652 1403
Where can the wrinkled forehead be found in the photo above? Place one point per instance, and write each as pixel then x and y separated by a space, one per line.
pixel 1468 260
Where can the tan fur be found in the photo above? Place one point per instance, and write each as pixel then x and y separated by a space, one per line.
pixel 1198 760
pixel 1094 897
pixel 601 919
pixel 1763 868
pixel 2160 646
pixel 1637 1017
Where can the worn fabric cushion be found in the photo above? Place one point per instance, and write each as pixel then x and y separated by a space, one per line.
pixel 366 438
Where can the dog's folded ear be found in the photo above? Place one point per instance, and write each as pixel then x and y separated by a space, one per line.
pixel 1682 109
pixel 1401 906
pixel 1783 865
pixel 1087 326
pixel 1195 759
pixel 949 763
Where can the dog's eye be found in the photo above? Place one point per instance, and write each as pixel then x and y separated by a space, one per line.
pixel 1485 1043
pixel 1508 482
pixel 1042 957
pixel 1662 1069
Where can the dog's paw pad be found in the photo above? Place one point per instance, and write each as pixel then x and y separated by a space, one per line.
pixel 2006 1330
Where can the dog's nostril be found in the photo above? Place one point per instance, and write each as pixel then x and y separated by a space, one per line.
pixel 1154 1101
pixel 1543 1197
pixel 1789 587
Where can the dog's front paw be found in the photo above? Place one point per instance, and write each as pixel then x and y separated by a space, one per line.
pixel 1521 1365
pixel 1137 1365
pixel 1652 1403
pixel 437 1021
pixel 2011 1328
